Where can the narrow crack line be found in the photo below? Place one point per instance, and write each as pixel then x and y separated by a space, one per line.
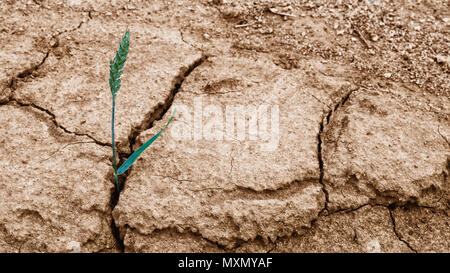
pixel 186 42
pixel 360 36
pixel 270 191
pixel 348 210
pixel 173 178
pixel 275 245
pixel 321 168
pixel 316 98
pixel 443 137
pixel 231 164
pixel 29 71
pixel 65 146
pixel 401 205
pixel 156 114
pixel 53 119
pixel 26 73
pixel 340 102
pixel 89 17
pixel 214 93
pixel 242 189
pixel 394 227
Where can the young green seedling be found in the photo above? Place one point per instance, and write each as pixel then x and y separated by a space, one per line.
pixel 116 70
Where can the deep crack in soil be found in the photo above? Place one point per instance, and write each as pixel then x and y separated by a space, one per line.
pixel 340 103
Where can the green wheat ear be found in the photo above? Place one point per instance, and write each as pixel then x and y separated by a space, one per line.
pixel 116 70
pixel 117 65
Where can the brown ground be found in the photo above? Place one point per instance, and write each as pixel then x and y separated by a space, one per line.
pixel 363 160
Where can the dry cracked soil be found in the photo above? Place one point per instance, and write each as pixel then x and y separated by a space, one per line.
pixel 359 91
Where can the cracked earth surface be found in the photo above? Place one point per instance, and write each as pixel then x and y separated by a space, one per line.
pixel 362 161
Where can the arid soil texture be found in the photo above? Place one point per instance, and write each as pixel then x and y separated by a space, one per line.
pixel 360 91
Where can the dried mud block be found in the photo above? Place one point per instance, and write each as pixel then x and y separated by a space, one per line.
pixel 54 189
pixel 226 218
pixel 387 146
pixel 367 229
pixel 25 37
pixel 229 187
pixel 77 73
pixel 425 229
pixel 170 240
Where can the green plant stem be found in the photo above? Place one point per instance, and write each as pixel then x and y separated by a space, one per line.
pixel 116 177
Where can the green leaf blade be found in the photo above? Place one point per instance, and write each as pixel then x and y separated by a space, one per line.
pixel 127 164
